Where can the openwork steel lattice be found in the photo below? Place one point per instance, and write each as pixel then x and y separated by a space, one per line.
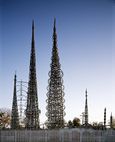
pixel 55 107
pixel 32 111
pixel 14 115
pixel 22 100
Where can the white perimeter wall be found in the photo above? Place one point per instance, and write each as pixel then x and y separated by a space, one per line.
pixel 61 135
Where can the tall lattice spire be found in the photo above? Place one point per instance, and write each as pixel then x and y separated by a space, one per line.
pixel 55 107
pixel 86 109
pixel 14 115
pixel 32 111
pixel 105 117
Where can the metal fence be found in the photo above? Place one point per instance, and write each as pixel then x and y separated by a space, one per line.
pixel 61 135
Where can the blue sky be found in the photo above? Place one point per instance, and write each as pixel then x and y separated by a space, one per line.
pixel 86 48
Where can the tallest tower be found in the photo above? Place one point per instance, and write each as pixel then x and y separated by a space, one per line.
pixel 32 111
pixel 55 100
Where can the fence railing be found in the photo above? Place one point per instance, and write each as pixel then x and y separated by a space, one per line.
pixel 61 135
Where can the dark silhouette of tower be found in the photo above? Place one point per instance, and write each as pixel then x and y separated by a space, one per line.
pixel 105 118
pixel 55 107
pixel 14 115
pixel 32 111
pixel 86 109
pixel 111 121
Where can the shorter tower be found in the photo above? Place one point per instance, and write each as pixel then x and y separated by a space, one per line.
pixel 14 115
pixel 111 121
pixel 86 109
pixel 105 118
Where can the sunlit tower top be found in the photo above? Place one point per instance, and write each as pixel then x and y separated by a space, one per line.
pixel 55 100
pixel 14 115
pixel 32 110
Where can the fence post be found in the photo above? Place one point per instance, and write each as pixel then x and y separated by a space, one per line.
pixel 0 135
pixel 15 135
pixel 30 136
pixel 81 135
